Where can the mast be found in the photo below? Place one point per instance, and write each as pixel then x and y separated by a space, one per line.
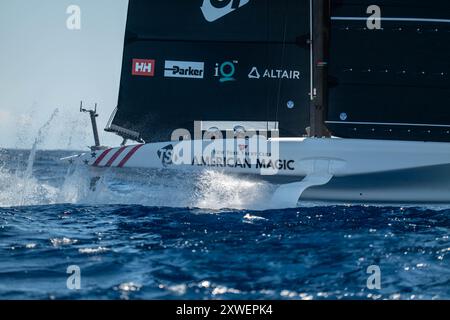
pixel 320 47
pixel 93 115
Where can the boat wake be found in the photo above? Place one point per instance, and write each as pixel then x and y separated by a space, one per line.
pixel 33 177
pixel 28 178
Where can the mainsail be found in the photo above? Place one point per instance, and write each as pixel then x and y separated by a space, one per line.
pixel 391 82
pixel 214 60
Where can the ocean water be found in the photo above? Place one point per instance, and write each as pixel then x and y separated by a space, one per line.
pixel 204 235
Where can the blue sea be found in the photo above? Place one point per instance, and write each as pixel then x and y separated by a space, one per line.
pixel 205 235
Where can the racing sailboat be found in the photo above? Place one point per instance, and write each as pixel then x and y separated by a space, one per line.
pixel 336 101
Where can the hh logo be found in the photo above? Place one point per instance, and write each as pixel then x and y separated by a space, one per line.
pixel 165 155
pixel 142 67
pixel 216 9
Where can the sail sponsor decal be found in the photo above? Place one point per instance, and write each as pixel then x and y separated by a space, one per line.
pixel 244 163
pixel 165 155
pixel 267 73
pixel 143 67
pixel 230 159
pixel 184 69
pixel 226 71
pixel 215 9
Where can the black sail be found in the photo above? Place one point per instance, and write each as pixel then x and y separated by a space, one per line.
pixel 211 60
pixel 392 83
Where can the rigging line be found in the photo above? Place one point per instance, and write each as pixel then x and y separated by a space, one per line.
pixel 260 42
pixel 392 85
pixel 283 56
pixel 267 56
pixel 389 124
pixel 391 19
pixel 311 52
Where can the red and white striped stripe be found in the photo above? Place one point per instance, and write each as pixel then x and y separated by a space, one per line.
pixel 116 157
pixel 131 153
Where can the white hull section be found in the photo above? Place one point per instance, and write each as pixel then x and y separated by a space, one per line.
pixel 335 170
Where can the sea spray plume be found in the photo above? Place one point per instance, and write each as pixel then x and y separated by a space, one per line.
pixel 208 189
pixel 18 187
pixel 24 135
pixel 13 185
pixel 218 190
pixel 41 135
pixel 75 188
pixel 24 124
pixel 74 130
pixel 75 180
pixel 140 187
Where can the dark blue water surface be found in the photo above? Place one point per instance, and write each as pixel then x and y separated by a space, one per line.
pixel 130 251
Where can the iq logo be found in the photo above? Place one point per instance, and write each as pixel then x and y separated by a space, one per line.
pixel 226 71
pixel 143 67
pixel 216 9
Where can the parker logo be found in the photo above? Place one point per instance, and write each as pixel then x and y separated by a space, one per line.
pixel 216 9
pixel 184 69
pixel 165 155
pixel 143 67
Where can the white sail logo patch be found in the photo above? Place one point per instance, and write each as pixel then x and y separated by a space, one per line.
pixel 143 67
pixel 184 69
pixel 216 9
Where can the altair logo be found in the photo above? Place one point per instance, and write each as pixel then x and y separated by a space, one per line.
pixel 216 9
pixel 274 74
pixel 254 73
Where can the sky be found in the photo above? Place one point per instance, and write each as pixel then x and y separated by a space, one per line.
pixel 47 68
